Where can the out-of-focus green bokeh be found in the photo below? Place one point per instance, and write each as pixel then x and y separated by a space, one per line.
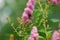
pixel 14 9
pixel 11 9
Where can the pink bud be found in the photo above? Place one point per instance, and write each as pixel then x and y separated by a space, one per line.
pixel 31 1
pixel 28 10
pixel 34 34
pixel 25 16
pixel 30 6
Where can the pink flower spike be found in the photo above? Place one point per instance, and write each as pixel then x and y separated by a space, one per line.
pixel 34 34
pixel 54 35
pixel 27 14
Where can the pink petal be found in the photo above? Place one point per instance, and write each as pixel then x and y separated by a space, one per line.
pixel 28 10
pixel 55 1
pixel 54 36
pixel 33 2
pixel 25 16
pixel 30 6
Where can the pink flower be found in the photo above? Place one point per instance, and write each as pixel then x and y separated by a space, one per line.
pixel 25 17
pixel 34 34
pixel 30 6
pixel 27 14
pixel 56 35
pixel 56 1
pixel 28 10
pixel 31 1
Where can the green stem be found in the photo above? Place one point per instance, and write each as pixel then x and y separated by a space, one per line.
pixel 45 18
pixel 12 25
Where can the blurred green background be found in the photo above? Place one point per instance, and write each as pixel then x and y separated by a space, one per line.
pixel 14 9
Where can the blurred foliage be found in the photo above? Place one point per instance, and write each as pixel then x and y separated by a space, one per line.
pixel 17 7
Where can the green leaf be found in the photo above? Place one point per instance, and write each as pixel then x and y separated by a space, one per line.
pixel 42 34
pixel 49 33
pixel 55 20
pixel 40 37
